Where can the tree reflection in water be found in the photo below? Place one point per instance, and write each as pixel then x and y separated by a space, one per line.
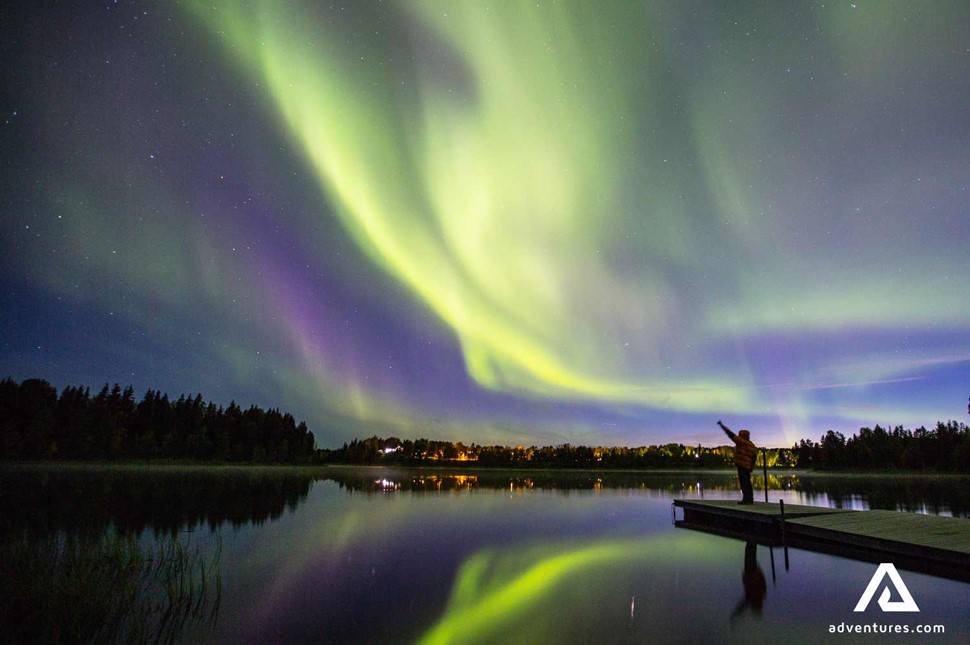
pixel 102 553
pixel 935 494
pixel 107 554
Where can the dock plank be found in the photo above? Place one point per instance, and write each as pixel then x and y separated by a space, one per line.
pixel 930 531
pixel 762 510
pixel 929 543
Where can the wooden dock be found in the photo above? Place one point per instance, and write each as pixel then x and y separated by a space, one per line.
pixel 930 544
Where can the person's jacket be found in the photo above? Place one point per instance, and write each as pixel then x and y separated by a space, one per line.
pixel 745 451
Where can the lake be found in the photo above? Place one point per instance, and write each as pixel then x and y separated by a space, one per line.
pixel 372 555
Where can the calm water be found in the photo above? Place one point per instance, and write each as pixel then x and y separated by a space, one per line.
pixel 382 556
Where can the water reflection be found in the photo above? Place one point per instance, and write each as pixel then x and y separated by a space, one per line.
pixel 99 554
pixel 563 592
pixel 168 500
pixel 931 494
pixel 753 581
pixel 104 587
pixel 396 555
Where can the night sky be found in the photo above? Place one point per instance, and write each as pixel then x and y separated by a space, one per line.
pixel 606 223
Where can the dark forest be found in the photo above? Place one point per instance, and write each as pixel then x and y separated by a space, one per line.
pixel 37 423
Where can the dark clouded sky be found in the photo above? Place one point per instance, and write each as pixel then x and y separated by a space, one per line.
pixel 511 222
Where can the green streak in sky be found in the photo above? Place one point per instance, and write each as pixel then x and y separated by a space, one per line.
pixel 482 163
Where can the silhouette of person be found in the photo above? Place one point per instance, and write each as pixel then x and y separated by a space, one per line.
pixel 745 453
pixel 753 579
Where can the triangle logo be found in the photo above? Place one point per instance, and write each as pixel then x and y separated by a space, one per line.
pixel 905 604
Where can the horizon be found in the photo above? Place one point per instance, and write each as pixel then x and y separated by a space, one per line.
pixel 526 223
pixel 108 387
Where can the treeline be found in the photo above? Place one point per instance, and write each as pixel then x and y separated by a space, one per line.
pixel 394 451
pixel 945 449
pixel 37 423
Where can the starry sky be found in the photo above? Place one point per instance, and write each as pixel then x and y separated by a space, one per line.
pixel 538 222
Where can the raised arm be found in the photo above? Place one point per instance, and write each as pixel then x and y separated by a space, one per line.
pixel 726 429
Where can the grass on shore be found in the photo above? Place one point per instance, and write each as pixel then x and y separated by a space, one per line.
pixel 103 588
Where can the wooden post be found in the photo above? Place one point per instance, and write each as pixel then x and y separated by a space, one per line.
pixel 784 539
pixel 771 552
pixel 764 463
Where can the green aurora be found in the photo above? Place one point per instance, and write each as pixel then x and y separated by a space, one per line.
pixel 600 224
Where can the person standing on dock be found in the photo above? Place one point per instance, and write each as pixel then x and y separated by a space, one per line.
pixel 745 452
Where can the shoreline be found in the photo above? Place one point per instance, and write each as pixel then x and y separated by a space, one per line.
pixel 450 469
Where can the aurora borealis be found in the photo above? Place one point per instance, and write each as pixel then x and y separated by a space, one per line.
pixel 511 222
